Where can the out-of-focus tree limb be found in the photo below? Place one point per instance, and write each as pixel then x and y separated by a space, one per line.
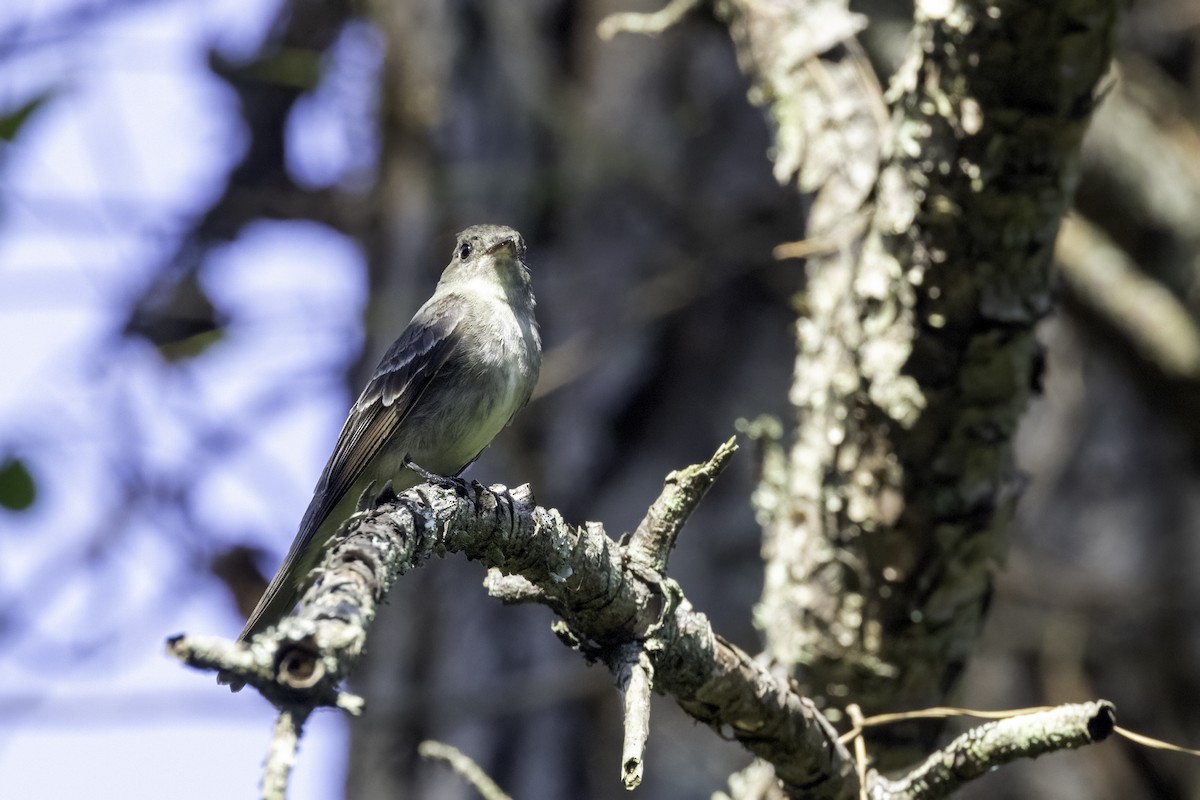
pixel 1132 275
pixel 464 766
pixel 174 308
pixel 281 755
pixel 1141 176
pixel 1153 320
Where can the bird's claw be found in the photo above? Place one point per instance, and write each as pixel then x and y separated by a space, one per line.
pixel 442 481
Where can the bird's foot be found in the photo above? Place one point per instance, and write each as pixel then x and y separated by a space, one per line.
pixel 442 481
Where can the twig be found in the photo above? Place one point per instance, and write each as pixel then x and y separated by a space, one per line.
pixel 861 724
pixel 842 236
pixel 986 747
pixel 281 754
pixel 462 764
pixel 1144 310
pixel 682 491
pixel 648 550
pixel 860 748
pixel 1157 744
pixel 638 682
pixel 939 712
pixel 646 24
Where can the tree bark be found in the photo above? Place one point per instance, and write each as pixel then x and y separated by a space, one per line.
pixel 916 350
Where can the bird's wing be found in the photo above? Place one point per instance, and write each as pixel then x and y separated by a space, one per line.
pixel 400 380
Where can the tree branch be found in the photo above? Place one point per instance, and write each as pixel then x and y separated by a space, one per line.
pixel 986 747
pixel 655 535
pixel 605 605
pixel 281 755
pixel 1152 319
pixel 612 609
pixel 636 679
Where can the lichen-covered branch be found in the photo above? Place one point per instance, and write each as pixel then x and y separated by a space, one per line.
pixel 606 604
pixel 611 609
pixel 655 535
pixel 827 116
pixel 916 353
pixel 988 746
pixel 636 679
pixel 281 753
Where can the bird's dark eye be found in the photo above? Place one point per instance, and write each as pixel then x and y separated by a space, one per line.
pixel 464 251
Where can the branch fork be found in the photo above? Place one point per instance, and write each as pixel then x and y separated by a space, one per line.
pixel 614 603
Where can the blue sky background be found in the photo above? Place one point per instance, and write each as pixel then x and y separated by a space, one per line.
pixel 135 139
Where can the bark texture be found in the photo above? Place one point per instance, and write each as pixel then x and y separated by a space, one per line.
pixel 610 602
pixel 917 355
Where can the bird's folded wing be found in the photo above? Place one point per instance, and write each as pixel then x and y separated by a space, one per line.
pixel 401 378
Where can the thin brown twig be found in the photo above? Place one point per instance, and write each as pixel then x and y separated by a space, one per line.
pixel 461 763
pixel 646 24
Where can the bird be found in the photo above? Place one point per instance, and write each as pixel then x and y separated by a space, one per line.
pixel 458 374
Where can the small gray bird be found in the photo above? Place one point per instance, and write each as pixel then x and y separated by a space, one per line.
pixel 463 367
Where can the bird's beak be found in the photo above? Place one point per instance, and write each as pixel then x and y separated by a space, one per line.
pixel 511 245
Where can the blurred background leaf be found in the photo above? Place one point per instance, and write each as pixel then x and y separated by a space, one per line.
pixel 17 490
pixel 13 119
